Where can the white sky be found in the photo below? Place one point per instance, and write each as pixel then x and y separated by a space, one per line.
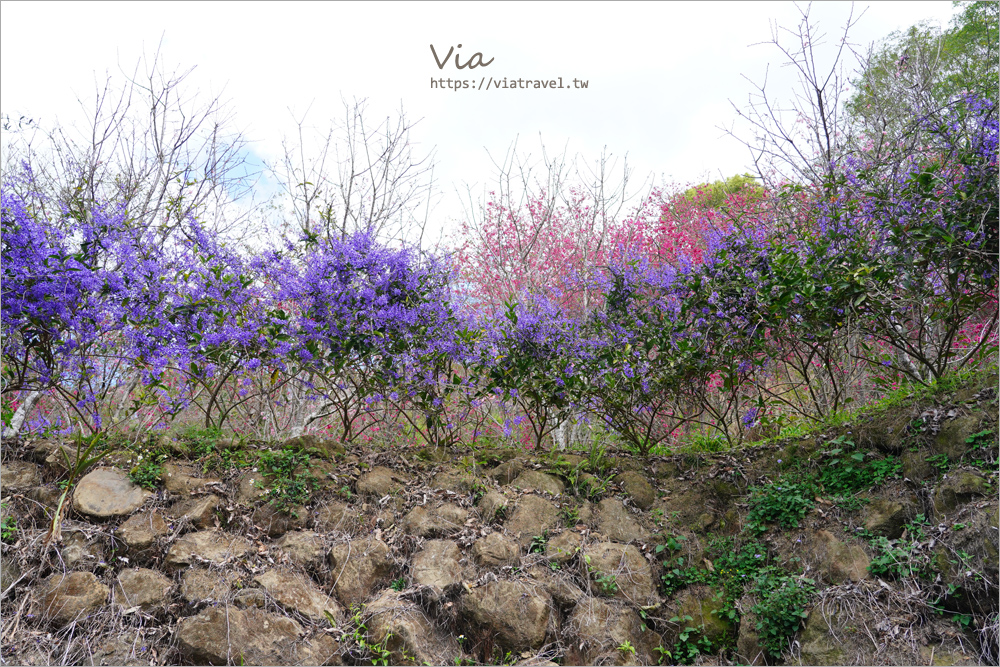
pixel 660 75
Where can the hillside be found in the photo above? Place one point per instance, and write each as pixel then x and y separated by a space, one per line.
pixel 872 543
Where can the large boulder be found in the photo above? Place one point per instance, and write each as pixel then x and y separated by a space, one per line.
pixel 563 547
pixel 638 488
pixel 297 593
pixel 517 612
pixel 496 550
pixel 142 530
pixel 958 488
pixel 887 517
pixel 199 585
pixel 402 628
pixel 533 480
pixel 620 571
pixel 18 477
pixel 597 628
pixel 615 522
pixel 423 521
pixel 200 511
pixel 206 546
pixel 335 516
pixel 231 636
pixel 382 481
pixel 65 598
pixel 106 493
pixel 836 561
pixel 533 518
pixel 184 479
pixel 305 548
pixel 140 587
pixel 357 567
pixel 438 565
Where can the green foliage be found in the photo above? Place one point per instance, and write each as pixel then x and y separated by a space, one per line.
pixel 538 543
pixel 199 441
pixel 148 472
pixel 357 636
pixel 715 194
pixel 627 649
pixel 783 503
pixel 398 584
pixel 984 452
pixel 289 480
pixel 843 469
pixel 781 608
pixel 939 462
pixel 606 582
pixel 8 529
pixel 691 642
pixel 903 557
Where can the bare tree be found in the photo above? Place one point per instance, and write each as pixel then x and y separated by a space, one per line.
pixel 799 140
pixel 146 143
pixel 357 176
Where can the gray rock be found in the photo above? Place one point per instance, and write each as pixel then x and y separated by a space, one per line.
pixel 207 546
pixel 335 515
pixel 381 481
pixel 141 530
pixel 297 593
pixel 539 481
pixel 518 612
pixel 200 585
pixel 106 493
pixel 564 546
pixel 533 517
pixel 435 522
pixel 200 511
pixel 72 596
pixel 638 488
pixel 404 629
pixel 621 571
pixel 496 550
pixel 618 524
pixel 357 567
pixel 596 628
pixel 139 587
pixel 438 565
pixel 184 479
pixel 231 636
pixel 304 548
pixel 18 477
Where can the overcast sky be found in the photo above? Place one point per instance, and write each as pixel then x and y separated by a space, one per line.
pixel 660 77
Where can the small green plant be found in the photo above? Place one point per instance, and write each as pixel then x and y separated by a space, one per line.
pixel 691 642
pixel 291 483
pixel 8 529
pixel 939 462
pixel 538 543
pixel 571 515
pixel 664 654
pixel 784 503
pixel 85 457
pixel 377 653
pixel 398 584
pixel 606 582
pixel 626 649
pixel 781 608
pixel 148 472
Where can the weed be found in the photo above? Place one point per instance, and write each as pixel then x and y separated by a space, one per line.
pixel 844 471
pixel 939 462
pixel 902 557
pixel 376 654
pixel 8 529
pixel 571 515
pixel 691 642
pixel 606 582
pixel 291 483
pixel 781 608
pixel 85 457
pixel 784 503
pixel 538 543
pixel 626 649
pixel 147 473
pixel 398 585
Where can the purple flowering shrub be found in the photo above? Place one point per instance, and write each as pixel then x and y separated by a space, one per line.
pixel 797 308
